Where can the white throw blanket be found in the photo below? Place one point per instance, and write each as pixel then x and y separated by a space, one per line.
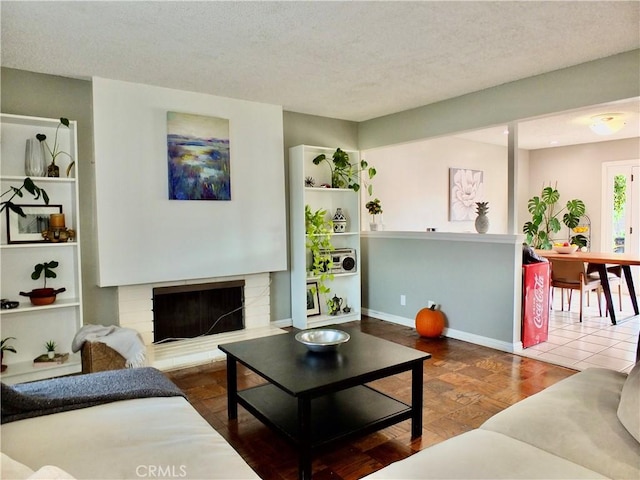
pixel 126 341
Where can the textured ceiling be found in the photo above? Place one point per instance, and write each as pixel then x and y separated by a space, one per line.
pixel 349 60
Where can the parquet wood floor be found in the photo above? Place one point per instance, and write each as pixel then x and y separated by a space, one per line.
pixel 464 385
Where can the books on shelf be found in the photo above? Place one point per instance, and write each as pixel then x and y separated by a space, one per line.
pixel 44 360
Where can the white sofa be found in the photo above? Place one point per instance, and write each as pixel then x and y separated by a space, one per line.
pixel 586 426
pixel 156 437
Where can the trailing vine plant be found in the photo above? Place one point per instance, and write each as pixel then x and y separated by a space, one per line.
pixel 319 231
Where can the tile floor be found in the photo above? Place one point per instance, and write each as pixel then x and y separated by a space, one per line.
pixel 592 343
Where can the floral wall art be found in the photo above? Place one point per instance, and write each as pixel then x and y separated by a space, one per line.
pixel 465 189
pixel 198 156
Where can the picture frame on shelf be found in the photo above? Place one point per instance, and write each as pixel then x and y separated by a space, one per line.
pixel 313 299
pixel 29 229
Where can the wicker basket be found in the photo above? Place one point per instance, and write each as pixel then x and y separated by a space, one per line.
pixel 98 357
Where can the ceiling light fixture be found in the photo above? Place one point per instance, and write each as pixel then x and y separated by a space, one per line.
pixel 607 123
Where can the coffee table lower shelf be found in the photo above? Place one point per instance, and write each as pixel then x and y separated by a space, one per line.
pixel 334 416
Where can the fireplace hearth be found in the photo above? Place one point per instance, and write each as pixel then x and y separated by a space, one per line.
pixel 189 311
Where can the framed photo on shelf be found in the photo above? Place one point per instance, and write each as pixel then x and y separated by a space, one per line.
pixel 313 299
pixel 29 229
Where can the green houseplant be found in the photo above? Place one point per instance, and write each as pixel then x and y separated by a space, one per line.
pixel 53 170
pixel 374 208
pixel 50 346
pixel 5 347
pixel 344 174
pixel 43 296
pixel 545 221
pixel 30 187
pixel 318 231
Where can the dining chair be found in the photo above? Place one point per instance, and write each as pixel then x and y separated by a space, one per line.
pixel 614 275
pixel 573 276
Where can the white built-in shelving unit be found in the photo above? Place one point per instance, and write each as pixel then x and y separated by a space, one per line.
pixel 343 285
pixel 32 326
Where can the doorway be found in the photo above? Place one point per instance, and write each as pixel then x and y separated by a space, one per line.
pixel 620 231
pixel 620 212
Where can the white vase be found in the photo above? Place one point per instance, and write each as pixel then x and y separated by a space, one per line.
pixel 375 224
pixel 51 354
pixel 34 158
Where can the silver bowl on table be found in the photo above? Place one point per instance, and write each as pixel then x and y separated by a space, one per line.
pixel 322 339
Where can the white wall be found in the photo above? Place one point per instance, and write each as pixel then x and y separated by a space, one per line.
pixel 577 170
pixel 142 236
pixel 412 183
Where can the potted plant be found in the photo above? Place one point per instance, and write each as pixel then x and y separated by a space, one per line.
pixel 374 208
pixel 545 217
pixel 318 233
pixel 30 187
pixel 43 296
pixel 343 173
pixel 5 347
pixel 51 348
pixel 53 170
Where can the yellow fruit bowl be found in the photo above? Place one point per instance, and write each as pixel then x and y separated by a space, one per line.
pixel 563 249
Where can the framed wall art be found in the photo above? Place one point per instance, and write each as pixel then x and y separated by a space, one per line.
pixel 199 157
pixel 466 187
pixel 29 229
pixel 313 299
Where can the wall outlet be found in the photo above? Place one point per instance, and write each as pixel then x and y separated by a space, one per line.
pixel 403 300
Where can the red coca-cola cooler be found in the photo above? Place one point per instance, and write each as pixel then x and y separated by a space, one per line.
pixel 535 303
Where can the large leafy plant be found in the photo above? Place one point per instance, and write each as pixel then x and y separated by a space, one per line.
pixel 344 174
pixel 545 218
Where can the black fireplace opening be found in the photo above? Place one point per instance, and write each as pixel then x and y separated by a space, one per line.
pixel 189 311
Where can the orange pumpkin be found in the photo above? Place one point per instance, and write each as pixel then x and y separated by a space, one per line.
pixel 430 322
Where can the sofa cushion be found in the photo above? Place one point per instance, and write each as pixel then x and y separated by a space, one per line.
pixel 50 472
pixel 629 408
pixel 160 437
pixel 576 419
pixel 11 469
pixel 482 454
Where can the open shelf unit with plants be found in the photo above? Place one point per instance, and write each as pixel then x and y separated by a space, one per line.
pixel 32 326
pixel 343 285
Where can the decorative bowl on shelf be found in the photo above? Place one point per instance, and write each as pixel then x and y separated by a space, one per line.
pixel 43 296
pixel 322 339
pixel 565 249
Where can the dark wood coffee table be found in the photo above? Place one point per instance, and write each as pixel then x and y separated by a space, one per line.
pixel 314 399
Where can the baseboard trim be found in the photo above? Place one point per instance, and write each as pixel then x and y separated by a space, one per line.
pixel 449 332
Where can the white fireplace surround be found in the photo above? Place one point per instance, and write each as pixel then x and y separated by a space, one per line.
pixel 135 310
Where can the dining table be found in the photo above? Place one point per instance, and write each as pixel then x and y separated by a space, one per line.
pixel 600 261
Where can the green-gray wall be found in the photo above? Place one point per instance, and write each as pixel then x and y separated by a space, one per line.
pixel 300 129
pixel 38 95
pixel 600 81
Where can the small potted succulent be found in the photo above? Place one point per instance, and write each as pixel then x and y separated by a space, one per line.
pixel 43 296
pixel 51 348
pixel 5 347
